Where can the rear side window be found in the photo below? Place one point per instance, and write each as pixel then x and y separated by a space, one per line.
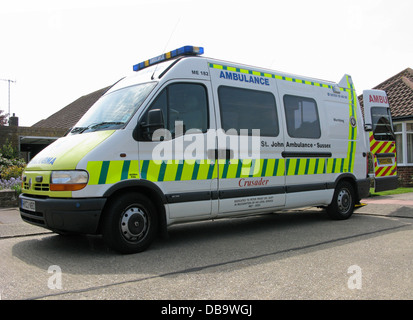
pixel 302 117
pixel 382 128
pixel 248 109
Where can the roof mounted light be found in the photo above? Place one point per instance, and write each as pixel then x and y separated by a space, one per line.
pixel 183 51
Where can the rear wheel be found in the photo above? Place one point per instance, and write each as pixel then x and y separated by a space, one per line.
pixel 130 223
pixel 343 203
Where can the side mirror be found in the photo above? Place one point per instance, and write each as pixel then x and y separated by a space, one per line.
pixel 155 119
pixel 144 130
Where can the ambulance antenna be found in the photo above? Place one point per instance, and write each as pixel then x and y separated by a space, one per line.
pixel 167 43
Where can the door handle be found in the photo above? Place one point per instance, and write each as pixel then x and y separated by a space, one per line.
pixel 218 154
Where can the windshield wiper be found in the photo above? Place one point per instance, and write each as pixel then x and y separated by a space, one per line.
pixel 95 126
pixel 108 123
pixel 78 130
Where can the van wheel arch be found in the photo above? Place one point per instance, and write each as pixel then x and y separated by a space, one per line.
pixel 350 178
pixel 147 189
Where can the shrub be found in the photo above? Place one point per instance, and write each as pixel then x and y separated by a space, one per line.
pixel 12 172
pixel 11 168
pixel 12 184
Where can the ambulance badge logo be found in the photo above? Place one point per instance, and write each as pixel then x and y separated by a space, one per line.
pixel 353 121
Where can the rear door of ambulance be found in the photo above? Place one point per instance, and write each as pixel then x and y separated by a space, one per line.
pixel 378 124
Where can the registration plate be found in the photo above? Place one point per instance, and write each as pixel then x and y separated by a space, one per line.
pixel 385 161
pixel 29 205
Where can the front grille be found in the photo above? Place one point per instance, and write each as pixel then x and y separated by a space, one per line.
pixel 36 218
pixel 36 181
pixel 41 187
pixel 37 186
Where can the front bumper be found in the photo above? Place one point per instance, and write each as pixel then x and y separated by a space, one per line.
pixel 63 215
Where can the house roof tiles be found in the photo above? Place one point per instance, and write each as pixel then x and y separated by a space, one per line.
pixel 71 114
pixel 399 89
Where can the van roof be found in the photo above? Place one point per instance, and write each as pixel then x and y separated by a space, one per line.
pixel 157 65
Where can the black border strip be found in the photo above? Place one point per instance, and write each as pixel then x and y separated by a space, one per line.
pixel 237 193
pixel 188 196
pixel 298 154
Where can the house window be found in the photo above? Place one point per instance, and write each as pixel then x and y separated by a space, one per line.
pixel 398 132
pixel 404 142
pixel 409 139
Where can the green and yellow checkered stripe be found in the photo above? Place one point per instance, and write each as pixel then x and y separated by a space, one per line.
pixel 109 172
pixel 269 75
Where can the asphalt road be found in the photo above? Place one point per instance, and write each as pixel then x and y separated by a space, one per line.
pixel 298 254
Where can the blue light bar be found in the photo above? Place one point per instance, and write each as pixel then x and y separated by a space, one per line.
pixel 183 51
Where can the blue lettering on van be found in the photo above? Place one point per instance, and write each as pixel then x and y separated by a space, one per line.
pixel 244 78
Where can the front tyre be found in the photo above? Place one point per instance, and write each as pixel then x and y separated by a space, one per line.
pixel 343 203
pixel 130 223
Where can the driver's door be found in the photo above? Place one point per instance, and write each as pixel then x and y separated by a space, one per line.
pixel 176 159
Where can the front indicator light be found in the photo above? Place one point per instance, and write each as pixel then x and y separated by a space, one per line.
pixel 68 180
pixel 67 187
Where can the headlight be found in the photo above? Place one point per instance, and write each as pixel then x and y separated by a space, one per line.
pixel 68 180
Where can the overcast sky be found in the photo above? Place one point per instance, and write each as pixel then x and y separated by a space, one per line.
pixel 58 51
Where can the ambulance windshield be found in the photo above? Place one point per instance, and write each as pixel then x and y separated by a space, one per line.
pixel 382 127
pixel 114 110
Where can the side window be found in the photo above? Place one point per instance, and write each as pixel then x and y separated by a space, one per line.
pixel 302 117
pixel 186 102
pixel 160 103
pixel 248 109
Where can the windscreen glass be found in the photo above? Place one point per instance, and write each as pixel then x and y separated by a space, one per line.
pixel 114 110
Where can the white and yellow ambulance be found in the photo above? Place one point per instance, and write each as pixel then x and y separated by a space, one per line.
pixel 190 138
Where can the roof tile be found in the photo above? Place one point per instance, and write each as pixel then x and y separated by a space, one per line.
pixel 71 114
pixel 399 89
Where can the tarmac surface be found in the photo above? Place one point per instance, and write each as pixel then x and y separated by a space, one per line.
pixel 400 205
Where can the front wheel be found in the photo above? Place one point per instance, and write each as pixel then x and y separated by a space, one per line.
pixel 130 223
pixel 343 203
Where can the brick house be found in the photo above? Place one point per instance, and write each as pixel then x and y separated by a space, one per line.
pixel 31 140
pixel 399 89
